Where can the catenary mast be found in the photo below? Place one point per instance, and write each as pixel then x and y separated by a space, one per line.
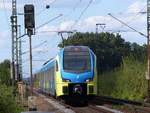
pixel 14 63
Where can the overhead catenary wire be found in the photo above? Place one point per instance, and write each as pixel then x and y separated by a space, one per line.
pixel 127 25
pixel 53 2
pixel 56 31
pixel 69 13
pixel 82 13
pixel 76 5
pixel 37 46
pixel 113 31
pixel 73 9
pixel 135 16
pixel 36 60
pixel 49 21
pixel 45 7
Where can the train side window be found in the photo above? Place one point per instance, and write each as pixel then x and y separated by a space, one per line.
pixel 56 66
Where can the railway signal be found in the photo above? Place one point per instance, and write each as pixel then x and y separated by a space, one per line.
pixel 29 20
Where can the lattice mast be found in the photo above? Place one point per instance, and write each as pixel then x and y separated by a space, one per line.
pixel 14 65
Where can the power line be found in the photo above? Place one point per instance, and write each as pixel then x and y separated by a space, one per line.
pixel 76 5
pixel 68 14
pixel 82 13
pixel 118 31
pixel 46 6
pixel 49 21
pixel 57 31
pixel 131 13
pixel 37 46
pixel 53 2
pixel 73 9
pixel 36 60
pixel 127 25
pixel 135 16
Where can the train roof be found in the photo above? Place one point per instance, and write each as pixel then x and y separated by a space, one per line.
pixel 80 48
pixel 47 65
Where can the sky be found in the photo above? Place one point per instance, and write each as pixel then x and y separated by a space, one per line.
pixel 79 15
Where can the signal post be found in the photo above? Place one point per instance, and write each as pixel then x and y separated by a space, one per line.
pixel 29 22
pixel 30 30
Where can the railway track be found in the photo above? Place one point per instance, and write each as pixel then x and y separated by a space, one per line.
pixel 96 105
pixel 91 108
pixel 111 100
pixel 133 106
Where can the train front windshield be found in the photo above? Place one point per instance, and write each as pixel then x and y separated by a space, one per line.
pixel 77 62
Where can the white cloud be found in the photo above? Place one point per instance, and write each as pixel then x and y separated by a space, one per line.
pixel 137 7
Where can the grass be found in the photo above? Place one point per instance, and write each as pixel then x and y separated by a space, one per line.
pixel 126 82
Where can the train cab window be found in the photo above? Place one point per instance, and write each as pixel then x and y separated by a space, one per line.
pixel 56 66
pixel 77 61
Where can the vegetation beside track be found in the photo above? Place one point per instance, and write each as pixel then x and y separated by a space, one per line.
pixel 126 82
pixel 7 100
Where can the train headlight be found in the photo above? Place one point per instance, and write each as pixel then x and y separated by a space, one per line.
pixel 89 80
pixel 77 89
pixel 66 80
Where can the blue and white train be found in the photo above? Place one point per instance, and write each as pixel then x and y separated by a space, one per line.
pixel 72 72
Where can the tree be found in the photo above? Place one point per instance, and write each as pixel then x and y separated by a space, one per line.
pixel 5 72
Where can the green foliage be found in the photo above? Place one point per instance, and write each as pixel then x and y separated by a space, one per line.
pixel 5 72
pixel 109 48
pixel 7 101
pixel 127 82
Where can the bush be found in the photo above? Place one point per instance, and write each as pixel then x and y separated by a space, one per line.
pixel 127 82
pixel 7 101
